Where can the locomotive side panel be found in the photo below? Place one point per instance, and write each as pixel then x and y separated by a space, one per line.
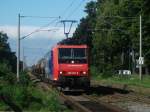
pixel 47 70
pixel 51 65
pixel 55 64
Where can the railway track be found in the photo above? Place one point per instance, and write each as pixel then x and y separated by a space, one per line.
pixel 85 103
pixel 114 95
pixel 106 105
pixel 81 102
pixel 131 101
pixel 133 97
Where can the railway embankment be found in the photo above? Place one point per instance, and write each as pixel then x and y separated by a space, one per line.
pixel 130 83
pixel 28 94
pixel 76 99
pixel 128 93
pixel 104 98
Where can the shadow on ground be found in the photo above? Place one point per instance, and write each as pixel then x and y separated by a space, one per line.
pixel 97 90
pixel 101 90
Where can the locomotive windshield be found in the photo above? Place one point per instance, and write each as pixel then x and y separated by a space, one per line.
pixel 78 55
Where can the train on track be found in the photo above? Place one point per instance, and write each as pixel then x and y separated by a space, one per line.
pixel 65 66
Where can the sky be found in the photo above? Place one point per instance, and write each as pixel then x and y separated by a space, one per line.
pixel 39 43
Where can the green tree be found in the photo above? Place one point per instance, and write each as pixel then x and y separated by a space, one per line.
pixel 111 30
pixel 5 52
pixel 146 35
pixel 116 33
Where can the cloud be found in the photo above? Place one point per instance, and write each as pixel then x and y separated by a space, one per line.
pixel 10 30
pixel 58 33
pixel 37 44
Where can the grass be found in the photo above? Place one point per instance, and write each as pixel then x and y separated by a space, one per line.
pixel 44 100
pixel 26 95
pixel 121 79
pixel 3 106
pixel 30 98
pixel 132 80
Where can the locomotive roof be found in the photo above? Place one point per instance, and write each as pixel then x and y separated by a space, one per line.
pixel 70 46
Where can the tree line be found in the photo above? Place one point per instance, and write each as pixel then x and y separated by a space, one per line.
pixel 111 30
pixel 6 55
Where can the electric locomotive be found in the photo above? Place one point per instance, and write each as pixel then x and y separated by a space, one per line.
pixel 68 66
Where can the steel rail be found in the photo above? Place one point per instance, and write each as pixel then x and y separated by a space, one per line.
pixel 85 106
pixel 112 108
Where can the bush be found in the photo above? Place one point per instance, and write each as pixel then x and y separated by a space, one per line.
pixel 107 74
pixel 4 68
pixel 3 107
pixel 94 71
pixel 24 94
pixel 15 93
pixel 10 78
pixel 32 99
pixel 24 78
pixel 44 101
pixel 6 74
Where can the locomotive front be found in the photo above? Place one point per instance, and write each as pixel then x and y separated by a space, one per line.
pixel 73 66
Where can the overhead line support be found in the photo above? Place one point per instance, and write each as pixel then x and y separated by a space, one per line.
pixel 67 21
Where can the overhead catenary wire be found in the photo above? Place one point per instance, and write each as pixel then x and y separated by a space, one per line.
pixel 36 48
pixel 42 27
pixel 65 21
pixel 67 9
pixel 57 23
pixel 63 13
pixel 121 17
pixel 37 30
pixel 117 28
pixel 39 17
pixel 75 9
pixel 70 14
pixel 111 29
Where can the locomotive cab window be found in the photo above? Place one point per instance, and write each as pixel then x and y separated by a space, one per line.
pixel 78 55
pixel 64 53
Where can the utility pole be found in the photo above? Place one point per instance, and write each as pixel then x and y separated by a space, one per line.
pixel 140 58
pixel 19 39
pixel 24 63
pixel 18 49
pixel 68 21
pixel 23 60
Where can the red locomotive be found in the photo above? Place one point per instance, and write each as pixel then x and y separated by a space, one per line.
pixel 67 66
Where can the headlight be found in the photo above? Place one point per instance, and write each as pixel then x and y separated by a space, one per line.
pixel 60 72
pixel 55 79
pixel 84 73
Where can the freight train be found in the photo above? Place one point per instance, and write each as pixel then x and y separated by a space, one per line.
pixel 66 66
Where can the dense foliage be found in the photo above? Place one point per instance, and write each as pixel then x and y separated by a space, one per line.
pixel 6 56
pixel 22 95
pixel 111 30
pixel 25 96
